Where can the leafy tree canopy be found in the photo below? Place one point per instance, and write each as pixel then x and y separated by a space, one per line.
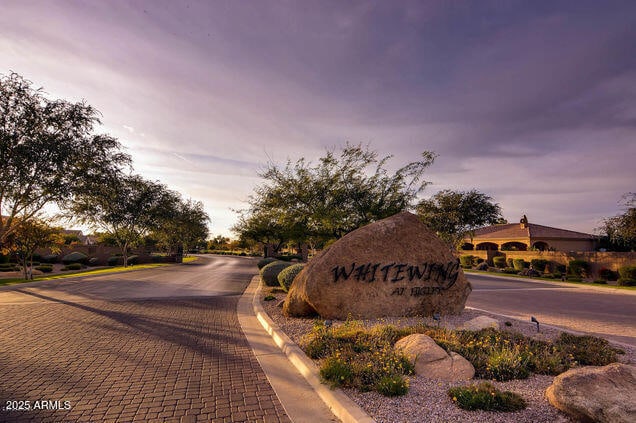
pixel 48 152
pixel 621 229
pixel 328 199
pixel 455 214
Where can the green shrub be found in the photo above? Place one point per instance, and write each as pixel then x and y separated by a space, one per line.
pixel 626 282
pixel 264 262
pixel 509 262
pixel 287 275
pixel 587 350
pixel 578 268
pixel 269 273
pixel 288 257
pixel 482 266
pixel 133 260
pixel 627 272
pixel 466 261
pixel 337 372
pixel 510 270
pixel 74 257
pixel 607 274
pixel 518 264
pixel 4 259
pixel 600 281
pixel 50 258
pixel 539 264
pixel 393 385
pixel 44 268
pixel 573 279
pixel 499 261
pixel 72 266
pixel 115 261
pixel 485 396
pixel 93 261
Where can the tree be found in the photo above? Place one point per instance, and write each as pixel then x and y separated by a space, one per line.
pixel 127 208
pixel 28 236
pixel 331 198
pixel 184 225
pixel 621 229
pixel 454 214
pixel 48 152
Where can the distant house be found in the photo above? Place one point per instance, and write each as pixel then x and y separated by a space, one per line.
pixel 81 238
pixel 525 236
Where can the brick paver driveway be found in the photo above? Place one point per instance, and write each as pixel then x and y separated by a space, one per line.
pixel 153 345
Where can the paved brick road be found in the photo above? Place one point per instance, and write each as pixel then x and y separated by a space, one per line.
pixel 170 359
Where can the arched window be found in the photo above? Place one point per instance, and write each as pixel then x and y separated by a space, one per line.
pixel 487 246
pixel 514 246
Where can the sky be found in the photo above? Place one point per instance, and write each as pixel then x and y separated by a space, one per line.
pixel 531 102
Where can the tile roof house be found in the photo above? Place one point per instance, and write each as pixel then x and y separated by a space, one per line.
pixel 524 236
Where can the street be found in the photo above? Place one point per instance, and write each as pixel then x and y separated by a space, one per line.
pixel 162 344
pixel 605 312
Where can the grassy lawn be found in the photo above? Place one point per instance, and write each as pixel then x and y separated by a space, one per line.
pixel 101 271
pixel 480 272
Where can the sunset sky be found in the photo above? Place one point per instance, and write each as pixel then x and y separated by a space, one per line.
pixel 531 102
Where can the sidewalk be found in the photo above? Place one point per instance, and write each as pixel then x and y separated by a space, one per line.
pixel 293 376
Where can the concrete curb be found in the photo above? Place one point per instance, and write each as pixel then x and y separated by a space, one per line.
pixel 337 401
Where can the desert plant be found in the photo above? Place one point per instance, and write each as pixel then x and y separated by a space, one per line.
pixel 74 257
pixel 509 262
pixel 115 261
pixel 287 275
pixel 269 273
pixel 264 262
pixel 393 385
pixel 72 266
pixel 510 270
pixel 44 268
pixel 485 396
pixel 539 264
pixel 482 266
pixel 50 258
pixel 607 274
pixel 578 268
pixel 626 282
pixel 499 261
pixel 518 264
pixel 627 272
pixel 466 261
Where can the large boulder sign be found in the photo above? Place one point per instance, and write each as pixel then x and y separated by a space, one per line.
pixel 393 267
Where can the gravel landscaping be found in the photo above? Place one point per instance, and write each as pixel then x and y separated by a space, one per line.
pixel 427 399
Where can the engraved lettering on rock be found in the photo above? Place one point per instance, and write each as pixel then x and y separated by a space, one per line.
pixel 441 276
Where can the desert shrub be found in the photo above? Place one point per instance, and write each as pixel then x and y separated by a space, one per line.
pixel 607 274
pixel 287 275
pixel 264 262
pixel 600 281
pixel 4 259
pixel 499 262
pixel 485 396
pixel 93 261
pixel 115 261
pixel 509 262
pixel 574 279
pixel 477 260
pixel 44 268
pixel 539 264
pixel 587 350
pixel 482 266
pixel 72 266
pixel 134 259
pixel 578 268
pixel 269 273
pixel 509 270
pixel 50 258
pixel 626 282
pixel 74 257
pixel 627 272
pixel 393 385
pixel 337 372
pixel 559 268
pixel 466 261
pixel 518 264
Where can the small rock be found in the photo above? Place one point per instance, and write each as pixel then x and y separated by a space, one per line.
pixel 432 361
pixel 599 394
pixel 481 322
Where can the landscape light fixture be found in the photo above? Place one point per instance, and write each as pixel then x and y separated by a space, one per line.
pixel 328 323
pixel 534 320
pixel 437 318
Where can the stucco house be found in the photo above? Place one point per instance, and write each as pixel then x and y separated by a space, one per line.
pixel 525 236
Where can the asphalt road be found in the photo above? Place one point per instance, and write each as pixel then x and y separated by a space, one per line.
pixel 155 345
pixel 600 311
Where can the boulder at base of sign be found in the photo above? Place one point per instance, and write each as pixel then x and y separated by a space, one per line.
pixel 394 267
